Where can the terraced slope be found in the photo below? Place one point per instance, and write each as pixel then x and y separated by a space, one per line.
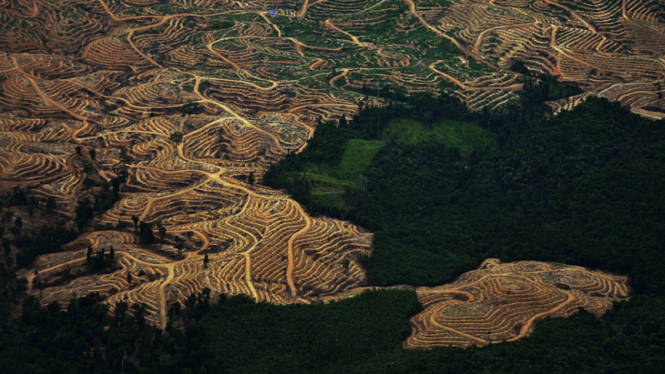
pixel 502 302
pixel 114 76
pixel 607 47
pixel 116 84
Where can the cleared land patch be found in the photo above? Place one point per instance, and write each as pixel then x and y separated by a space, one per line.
pixel 94 90
pixel 502 302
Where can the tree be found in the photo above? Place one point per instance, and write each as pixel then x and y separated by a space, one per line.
pixel 84 213
pixel 190 108
pixel 129 277
pixel 251 179
pixel 92 154
pixel 111 253
pixel 18 222
pixel 179 242
pixel 174 310
pixel 145 233
pixel 162 232
pixel 139 313
pixel 78 150
pixel 136 223
pixel 115 189
pixel 121 309
pixel 88 169
pixel 206 261
pixel 88 255
pixel 50 204
pixel 176 137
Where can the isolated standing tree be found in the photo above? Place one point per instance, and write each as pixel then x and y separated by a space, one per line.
pixel 251 180
pixel 162 233
pixel 18 222
pixel 88 255
pixel 115 189
pixel 206 261
pixel 50 204
pixel 111 253
pixel 136 222
pixel 145 233
pixel 129 277
pixel 176 137
pixel 93 154
pixel 78 150
pixel 190 108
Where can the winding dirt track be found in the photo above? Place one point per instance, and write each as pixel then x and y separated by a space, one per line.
pixel 477 57
pixel 512 87
pixel 180 275
pixel 261 90
pixel 481 36
pixel 353 38
pixel 291 266
pixel 502 302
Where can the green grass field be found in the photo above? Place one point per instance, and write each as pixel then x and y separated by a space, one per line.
pixel 358 153
pixel 453 134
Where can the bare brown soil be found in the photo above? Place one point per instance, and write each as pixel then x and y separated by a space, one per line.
pixel 602 46
pixel 112 76
pixel 502 302
pixel 121 96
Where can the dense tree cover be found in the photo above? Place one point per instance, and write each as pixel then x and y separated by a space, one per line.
pixel 30 242
pixel 359 335
pixel 84 338
pixel 48 239
pixel 264 338
pixel 11 289
pixel 580 188
pixel 364 335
